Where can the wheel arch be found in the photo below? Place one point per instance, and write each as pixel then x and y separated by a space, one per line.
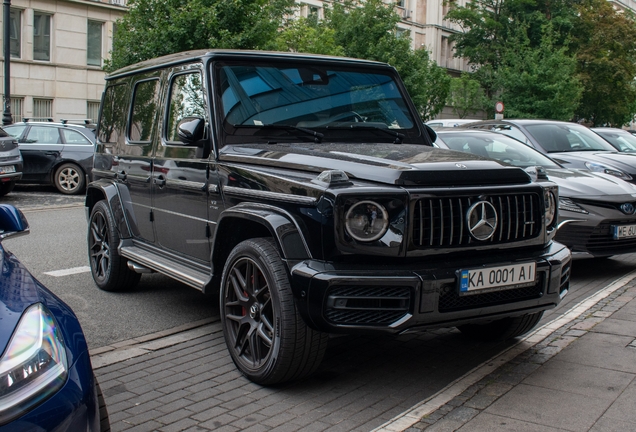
pixel 103 190
pixel 256 220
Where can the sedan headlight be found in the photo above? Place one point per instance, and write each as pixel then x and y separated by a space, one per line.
pixel 569 205
pixel 366 221
pixel 550 207
pixel 34 365
pixel 597 167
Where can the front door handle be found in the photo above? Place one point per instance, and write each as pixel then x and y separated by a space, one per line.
pixel 121 175
pixel 160 181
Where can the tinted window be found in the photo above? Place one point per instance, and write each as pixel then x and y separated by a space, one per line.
pixel 144 109
pixel 111 123
pixel 74 137
pixel 623 141
pixel 43 135
pixel 186 100
pixel 567 137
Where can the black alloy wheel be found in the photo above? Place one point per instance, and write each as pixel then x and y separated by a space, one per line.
pixel 267 339
pixel 110 271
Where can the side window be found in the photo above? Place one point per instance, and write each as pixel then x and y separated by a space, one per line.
pixel 144 111
pixel 74 137
pixel 186 100
pixel 43 135
pixel 114 107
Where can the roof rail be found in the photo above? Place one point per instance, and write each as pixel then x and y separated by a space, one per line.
pixel 44 119
pixel 76 121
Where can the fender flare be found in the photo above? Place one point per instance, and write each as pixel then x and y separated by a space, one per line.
pixel 109 191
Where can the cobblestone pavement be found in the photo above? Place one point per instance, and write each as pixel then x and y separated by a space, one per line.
pixel 185 380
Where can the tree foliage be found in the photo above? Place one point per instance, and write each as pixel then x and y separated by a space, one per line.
pixel 531 71
pixel 153 28
pixel 466 96
pixel 605 41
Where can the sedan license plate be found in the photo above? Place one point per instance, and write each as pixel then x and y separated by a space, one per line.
pixel 624 231
pixel 497 278
pixel 7 169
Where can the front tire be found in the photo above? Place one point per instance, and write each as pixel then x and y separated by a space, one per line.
pixel 109 269
pixel 503 329
pixel 265 335
pixel 6 187
pixel 69 179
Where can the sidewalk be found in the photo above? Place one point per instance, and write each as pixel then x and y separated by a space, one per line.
pixel 581 377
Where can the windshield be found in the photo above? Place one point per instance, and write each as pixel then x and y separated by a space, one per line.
pixel 623 141
pixel 330 100
pixel 496 146
pixel 567 137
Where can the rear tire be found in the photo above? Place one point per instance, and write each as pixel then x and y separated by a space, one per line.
pixel 6 187
pixel 109 269
pixel 503 329
pixel 69 179
pixel 265 335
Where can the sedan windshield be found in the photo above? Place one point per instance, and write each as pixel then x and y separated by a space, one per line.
pixel 295 97
pixel 495 146
pixel 555 138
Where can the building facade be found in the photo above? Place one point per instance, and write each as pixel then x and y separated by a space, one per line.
pixel 57 50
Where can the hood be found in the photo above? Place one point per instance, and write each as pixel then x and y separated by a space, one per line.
pixel 623 161
pixel 591 185
pixel 401 164
pixel 18 291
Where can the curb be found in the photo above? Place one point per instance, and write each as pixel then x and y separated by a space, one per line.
pixel 458 403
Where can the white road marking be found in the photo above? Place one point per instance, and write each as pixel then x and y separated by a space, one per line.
pixel 408 418
pixel 67 272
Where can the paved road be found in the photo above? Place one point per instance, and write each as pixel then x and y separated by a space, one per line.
pixel 179 384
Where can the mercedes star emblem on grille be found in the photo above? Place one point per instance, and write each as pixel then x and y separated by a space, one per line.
pixel 482 220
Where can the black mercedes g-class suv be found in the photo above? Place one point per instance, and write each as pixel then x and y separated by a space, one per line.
pixel 305 190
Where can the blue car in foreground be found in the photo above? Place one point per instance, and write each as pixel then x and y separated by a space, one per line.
pixel 46 378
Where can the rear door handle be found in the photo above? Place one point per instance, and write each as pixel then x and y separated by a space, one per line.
pixel 160 181
pixel 121 175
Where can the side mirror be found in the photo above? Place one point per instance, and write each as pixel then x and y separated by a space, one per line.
pixel 191 129
pixel 12 222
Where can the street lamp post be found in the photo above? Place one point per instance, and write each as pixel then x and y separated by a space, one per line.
pixel 6 23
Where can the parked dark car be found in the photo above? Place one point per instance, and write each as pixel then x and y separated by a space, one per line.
pixel 60 154
pixel 570 144
pixel 10 162
pixel 306 192
pixel 620 139
pixel 597 212
pixel 46 379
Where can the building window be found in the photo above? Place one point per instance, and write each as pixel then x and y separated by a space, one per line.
pixel 92 110
pixel 41 36
pixel 42 109
pixel 16 109
pixel 94 46
pixel 15 33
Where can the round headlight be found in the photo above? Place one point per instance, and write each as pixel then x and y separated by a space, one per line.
pixel 366 221
pixel 550 208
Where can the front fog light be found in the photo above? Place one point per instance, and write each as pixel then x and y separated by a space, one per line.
pixel 366 221
pixel 34 365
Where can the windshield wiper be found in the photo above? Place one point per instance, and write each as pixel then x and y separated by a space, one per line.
pixel 398 136
pixel 317 135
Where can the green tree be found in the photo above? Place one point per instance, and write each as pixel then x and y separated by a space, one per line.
pixel 309 36
pixel 466 96
pixel 153 28
pixel 538 82
pixel 605 42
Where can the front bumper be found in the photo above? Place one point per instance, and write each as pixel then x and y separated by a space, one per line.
pixel 398 298
pixel 592 234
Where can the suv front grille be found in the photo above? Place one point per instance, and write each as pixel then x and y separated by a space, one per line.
pixel 367 305
pixel 441 222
